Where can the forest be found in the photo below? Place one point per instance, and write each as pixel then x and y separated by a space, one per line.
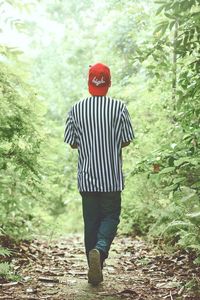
pixel 153 50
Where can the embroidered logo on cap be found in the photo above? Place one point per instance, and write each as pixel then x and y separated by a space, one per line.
pixel 98 82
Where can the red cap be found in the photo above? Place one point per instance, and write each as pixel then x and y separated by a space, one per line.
pixel 99 79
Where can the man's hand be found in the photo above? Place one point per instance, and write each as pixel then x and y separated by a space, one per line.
pixel 125 144
pixel 74 146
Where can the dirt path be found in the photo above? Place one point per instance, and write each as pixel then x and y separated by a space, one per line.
pixel 133 271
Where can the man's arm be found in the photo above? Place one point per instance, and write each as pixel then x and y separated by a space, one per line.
pixel 127 130
pixel 74 146
pixel 70 134
pixel 125 144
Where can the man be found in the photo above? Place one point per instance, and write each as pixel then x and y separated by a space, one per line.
pixel 99 127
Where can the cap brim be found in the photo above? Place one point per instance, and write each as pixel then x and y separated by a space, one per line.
pixel 100 91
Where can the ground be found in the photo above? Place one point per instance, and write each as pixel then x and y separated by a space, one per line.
pixel 57 270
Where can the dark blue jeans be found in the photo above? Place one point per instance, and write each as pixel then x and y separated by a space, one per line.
pixel 101 214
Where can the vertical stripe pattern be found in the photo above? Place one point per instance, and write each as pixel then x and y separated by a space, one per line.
pixel 99 125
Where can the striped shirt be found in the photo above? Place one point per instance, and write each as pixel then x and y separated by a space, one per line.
pixel 99 125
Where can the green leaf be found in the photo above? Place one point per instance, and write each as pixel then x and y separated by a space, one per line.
pixel 172 187
pixel 167 170
pixel 179 224
pixel 194 246
pixel 171 25
pixel 178 180
pixel 173 145
pixel 194 161
pixel 170 16
pixel 160 9
pixel 189 197
pixel 162 27
pixel 182 160
pixel 197 261
pixel 194 217
pixel 196 185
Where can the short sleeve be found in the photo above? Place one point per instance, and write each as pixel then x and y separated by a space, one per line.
pixel 70 136
pixel 127 129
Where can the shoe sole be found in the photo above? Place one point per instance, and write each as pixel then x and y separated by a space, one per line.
pixel 95 275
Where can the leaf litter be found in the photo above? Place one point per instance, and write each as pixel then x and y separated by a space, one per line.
pixel 134 270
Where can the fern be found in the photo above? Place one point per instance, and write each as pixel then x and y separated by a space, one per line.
pixel 7 272
pixel 5 252
pixel 4 269
pixel 177 225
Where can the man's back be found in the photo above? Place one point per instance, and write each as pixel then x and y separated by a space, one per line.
pixel 99 125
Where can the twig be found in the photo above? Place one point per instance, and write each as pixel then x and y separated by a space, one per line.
pixel 171 295
pixel 181 290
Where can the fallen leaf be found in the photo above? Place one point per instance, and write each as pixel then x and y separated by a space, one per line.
pixel 47 279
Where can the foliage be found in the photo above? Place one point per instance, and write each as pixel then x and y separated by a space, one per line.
pixel 6 269
pixel 5 252
pixel 7 272
pixel 177 164
pixel 20 119
pixel 20 142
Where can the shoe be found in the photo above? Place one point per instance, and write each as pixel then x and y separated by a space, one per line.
pixel 95 275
